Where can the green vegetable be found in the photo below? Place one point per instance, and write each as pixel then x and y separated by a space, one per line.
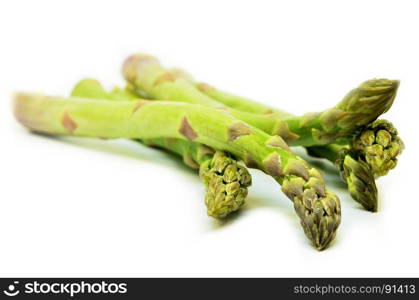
pixel 226 181
pixel 318 208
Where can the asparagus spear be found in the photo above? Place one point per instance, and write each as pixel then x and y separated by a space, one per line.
pixel 226 181
pixel 359 107
pixel 318 208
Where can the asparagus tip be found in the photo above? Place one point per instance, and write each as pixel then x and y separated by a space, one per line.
pixel 319 209
pixel 226 182
pixel 359 177
pixel 380 146
pixel 133 62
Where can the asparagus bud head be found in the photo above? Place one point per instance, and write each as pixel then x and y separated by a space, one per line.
pixel 358 108
pixel 370 100
pixel 380 145
pixel 358 175
pixel 226 182
pixel 134 63
pixel 319 209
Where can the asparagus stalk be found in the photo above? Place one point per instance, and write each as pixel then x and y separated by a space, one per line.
pixel 359 107
pixel 318 208
pixel 225 181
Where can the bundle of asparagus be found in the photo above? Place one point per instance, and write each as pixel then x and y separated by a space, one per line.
pixel 214 131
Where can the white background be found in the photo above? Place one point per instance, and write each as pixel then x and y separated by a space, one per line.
pixel 79 207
